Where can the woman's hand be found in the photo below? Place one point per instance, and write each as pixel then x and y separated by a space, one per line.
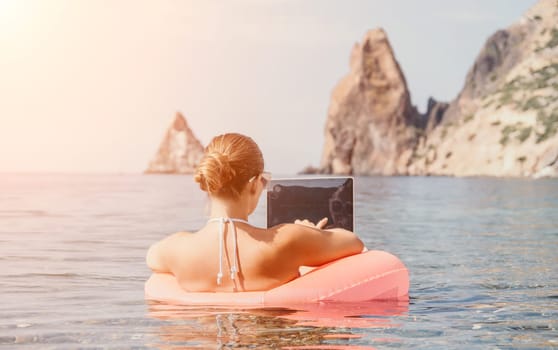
pixel 321 224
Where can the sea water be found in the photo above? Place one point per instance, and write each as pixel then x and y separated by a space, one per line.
pixel 482 255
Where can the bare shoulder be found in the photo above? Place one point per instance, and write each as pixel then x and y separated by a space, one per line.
pixel 161 254
pixel 167 244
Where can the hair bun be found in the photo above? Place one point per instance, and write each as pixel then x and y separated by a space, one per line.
pixel 214 172
pixel 229 161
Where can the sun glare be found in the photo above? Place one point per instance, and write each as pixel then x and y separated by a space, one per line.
pixel 15 15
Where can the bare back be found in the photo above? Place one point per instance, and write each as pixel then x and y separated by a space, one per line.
pixel 266 258
pixel 263 262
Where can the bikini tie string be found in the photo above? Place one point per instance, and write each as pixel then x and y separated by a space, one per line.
pixel 234 268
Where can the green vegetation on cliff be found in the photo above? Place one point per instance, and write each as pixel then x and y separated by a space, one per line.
pixel 535 92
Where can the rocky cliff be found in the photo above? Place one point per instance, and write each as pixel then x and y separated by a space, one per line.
pixel 371 122
pixel 179 152
pixel 504 122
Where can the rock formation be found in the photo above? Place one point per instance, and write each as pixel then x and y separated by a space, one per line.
pixel 504 122
pixel 179 152
pixel 371 122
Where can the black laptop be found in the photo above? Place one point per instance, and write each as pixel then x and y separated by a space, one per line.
pixel 312 199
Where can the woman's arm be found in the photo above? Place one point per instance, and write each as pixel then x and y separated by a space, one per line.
pixel 309 245
pixel 154 258
pixel 159 254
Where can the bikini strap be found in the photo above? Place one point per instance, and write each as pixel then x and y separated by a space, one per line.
pixel 234 268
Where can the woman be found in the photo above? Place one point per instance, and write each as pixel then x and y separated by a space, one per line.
pixel 229 254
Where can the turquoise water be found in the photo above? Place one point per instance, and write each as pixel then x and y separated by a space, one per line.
pixel 482 255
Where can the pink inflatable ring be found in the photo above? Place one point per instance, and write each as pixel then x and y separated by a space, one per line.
pixel 373 275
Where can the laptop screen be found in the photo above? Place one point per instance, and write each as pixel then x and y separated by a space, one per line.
pixel 312 199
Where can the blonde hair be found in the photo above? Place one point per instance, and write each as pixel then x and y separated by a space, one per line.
pixel 229 161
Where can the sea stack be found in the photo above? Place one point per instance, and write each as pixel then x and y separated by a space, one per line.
pixel 371 122
pixel 179 152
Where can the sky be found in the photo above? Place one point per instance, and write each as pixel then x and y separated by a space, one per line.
pixel 92 86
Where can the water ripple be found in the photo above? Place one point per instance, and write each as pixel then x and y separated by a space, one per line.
pixel 481 253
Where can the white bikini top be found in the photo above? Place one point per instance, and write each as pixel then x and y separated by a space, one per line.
pixel 234 268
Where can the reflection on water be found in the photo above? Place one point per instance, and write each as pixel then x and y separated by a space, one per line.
pixel 226 329
pixel 482 255
pixel 310 326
